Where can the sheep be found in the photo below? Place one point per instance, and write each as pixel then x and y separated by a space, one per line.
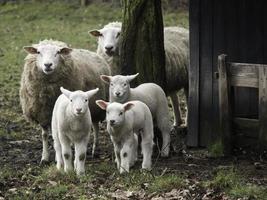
pixel 176 44
pixel 149 93
pixel 71 124
pixel 49 65
pixel 123 122
pixel 108 40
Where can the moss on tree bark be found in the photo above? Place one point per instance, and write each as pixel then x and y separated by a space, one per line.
pixel 142 48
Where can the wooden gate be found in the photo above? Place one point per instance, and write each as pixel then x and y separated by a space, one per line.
pixel 233 75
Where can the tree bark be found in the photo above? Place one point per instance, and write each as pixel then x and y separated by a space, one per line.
pixel 84 2
pixel 142 48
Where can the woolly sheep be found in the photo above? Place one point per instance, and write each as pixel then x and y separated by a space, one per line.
pixel 71 124
pixel 108 40
pixel 176 43
pixel 49 65
pixel 149 93
pixel 123 122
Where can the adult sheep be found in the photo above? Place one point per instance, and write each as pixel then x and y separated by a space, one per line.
pixel 48 66
pixel 176 44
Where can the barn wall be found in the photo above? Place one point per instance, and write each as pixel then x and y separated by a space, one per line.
pixel 237 28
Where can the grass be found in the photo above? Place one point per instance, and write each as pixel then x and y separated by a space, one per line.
pixel 216 149
pixel 166 183
pixel 234 185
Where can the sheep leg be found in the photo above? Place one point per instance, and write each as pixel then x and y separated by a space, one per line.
pixel 147 149
pixel 125 155
pixel 67 153
pixel 128 154
pixel 117 156
pixel 186 96
pixel 135 149
pixel 95 144
pixel 45 152
pixel 165 128
pixel 58 150
pixel 80 156
pixel 176 110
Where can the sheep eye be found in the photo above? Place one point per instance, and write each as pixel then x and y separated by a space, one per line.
pixel 86 100
pixel 124 84
pixel 120 113
pixel 71 100
pixel 118 35
pixel 38 52
pixel 111 84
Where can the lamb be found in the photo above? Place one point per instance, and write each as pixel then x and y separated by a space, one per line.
pixel 176 43
pixel 49 65
pixel 124 121
pixel 71 124
pixel 149 93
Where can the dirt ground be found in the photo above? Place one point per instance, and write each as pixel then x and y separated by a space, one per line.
pixel 22 156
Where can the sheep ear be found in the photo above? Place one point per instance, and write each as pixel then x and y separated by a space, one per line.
pixel 105 78
pixel 95 33
pixel 132 77
pixel 128 106
pixel 65 92
pixel 30 49
pixel 91 93
pixel 102 104
pixel 65 51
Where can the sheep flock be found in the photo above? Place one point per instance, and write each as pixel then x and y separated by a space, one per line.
pixel 69 91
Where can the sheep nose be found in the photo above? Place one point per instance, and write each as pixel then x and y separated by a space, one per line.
pixel 112 122
pixel 108 48
pixel 48 65
pixel 78 110
pixel 117 93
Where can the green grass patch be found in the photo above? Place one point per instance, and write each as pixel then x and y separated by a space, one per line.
pixel 229 181
pixel 216 149
pixel 166 183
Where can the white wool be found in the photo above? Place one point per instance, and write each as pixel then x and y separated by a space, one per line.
pixel 75 69
pixel 124 123
pixel 71 124
pixel 176 44
pixel 149 93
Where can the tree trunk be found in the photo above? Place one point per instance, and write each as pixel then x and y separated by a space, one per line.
pixel 142 48
pixel 84 2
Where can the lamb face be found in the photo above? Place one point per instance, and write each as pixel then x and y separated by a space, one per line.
pixel 108 39
pixel 115 112
pixel 47 56
pixel 78 100
pixel 119 86
pixel 115 115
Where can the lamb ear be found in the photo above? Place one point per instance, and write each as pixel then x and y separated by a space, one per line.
pixel 65 51
pixel 95 33
pixel 66 92
pixel 30 49
pixel 128 106
pixel 91 93
pixel 105 78
pixel 102 104
pixel 132 77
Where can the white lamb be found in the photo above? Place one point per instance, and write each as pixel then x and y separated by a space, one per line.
pixel 123 122
pixel 71 124
pixel 176 44
pixel 149 93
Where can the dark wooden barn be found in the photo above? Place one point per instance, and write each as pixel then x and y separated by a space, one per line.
pixel 237 28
